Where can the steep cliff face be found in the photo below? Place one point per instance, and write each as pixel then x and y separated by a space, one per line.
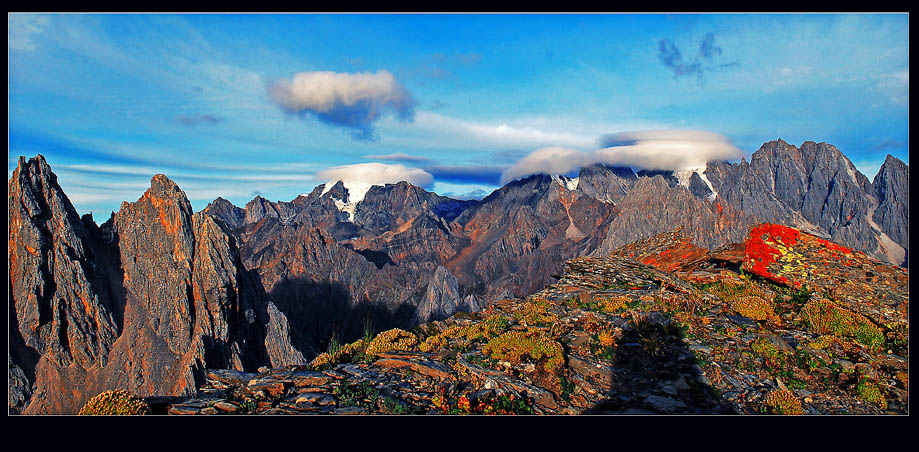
pixel 608 184
pixel 145 302
pixel 184 273
pixel 63 311
pixel 891 187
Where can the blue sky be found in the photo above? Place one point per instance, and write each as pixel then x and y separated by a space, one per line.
pixel 240 105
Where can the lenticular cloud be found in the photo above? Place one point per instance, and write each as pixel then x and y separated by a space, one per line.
pixel 672 150
pixel 376 174
pixel 355 101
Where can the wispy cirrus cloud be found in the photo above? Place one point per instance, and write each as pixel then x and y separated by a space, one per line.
pixel 504 134
pixel 399 157
pixel 355 101
pixel 23 31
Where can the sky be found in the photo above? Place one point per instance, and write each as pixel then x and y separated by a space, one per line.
pixel 237 105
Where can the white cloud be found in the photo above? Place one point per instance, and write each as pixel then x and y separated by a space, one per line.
pixel 349 100
pixel 552 160
pixel 655 150
pixel 376 174
pixel 502 134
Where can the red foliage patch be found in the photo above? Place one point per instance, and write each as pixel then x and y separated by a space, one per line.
pixel 759 253
pixel 833 246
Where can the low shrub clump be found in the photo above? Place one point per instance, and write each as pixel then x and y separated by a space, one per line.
pixel 603 344
pixel 613 304
pixel 756 308
pixel 783 401
pixel 488 328
pixel 394 339
pixel 869 391
pixel 115 402
pixel 533 346
pixel 340 354
pixel 824 316
pixel 774 357
pixel 822 342
pixel 535 313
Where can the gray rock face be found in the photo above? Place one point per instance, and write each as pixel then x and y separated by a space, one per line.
pixel 387 207
pixel 653 207
pixel 698 187
pixel 442 298
pixel 519 235
pixel 891 187
pixel 231 215
pixel 608 184
pixel 62 303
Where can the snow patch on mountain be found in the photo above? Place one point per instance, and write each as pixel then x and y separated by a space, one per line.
pixel 356 193
pixel 568 182
pixel 682 176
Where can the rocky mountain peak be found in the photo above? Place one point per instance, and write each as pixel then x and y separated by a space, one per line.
pixel 336 191
pixel 233 216
pixel 891 187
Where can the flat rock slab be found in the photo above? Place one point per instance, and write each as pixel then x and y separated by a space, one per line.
pixel 427 368
pixel 308 378
pixel 230 377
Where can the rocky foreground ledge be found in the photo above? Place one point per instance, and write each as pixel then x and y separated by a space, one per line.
pixel 785 323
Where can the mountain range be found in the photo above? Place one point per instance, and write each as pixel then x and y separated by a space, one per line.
pixel 157 294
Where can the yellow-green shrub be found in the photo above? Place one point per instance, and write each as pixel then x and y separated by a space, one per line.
pixel 394 339
pixel 534 346
pixel 345 353
pixel 613 304
pixel 822 342
pixel 115 402
pixel 869 391
pixel 774 357
pixel 488 328
pixel 783 401
pixel 756 308
pixel 824 316
pixel 535 313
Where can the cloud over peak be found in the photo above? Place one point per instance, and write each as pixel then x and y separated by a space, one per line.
pixel 354 101
pixel 376 174
pixel 651 149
